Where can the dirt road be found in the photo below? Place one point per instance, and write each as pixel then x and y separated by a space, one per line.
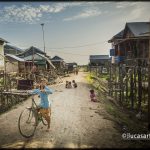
pixel 74 122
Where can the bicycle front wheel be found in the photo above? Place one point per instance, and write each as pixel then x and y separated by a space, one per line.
pixel 27 123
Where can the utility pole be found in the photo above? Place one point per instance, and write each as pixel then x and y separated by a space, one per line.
pixel 33 56
pixel 42 24
pixel 149 82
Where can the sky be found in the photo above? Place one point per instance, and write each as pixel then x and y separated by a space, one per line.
pixel 72 30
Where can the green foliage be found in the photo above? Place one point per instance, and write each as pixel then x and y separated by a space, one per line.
pixel 89 78
pixel 1 81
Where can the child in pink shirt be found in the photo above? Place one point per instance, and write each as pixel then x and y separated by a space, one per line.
pixel 93 96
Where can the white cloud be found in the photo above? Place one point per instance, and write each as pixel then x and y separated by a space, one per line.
pixel 140 12
pixel 31 14
pixel 121 5
pixel 85 14
pixel 34 13
pixel 26 13
pixel 52 8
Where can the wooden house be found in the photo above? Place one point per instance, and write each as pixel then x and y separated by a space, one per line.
pixel 99 60
pixel 71 66
pixel 130 49
pixel 14 64
pixel 58 62
pixel 131 42
pixel 2 58
pixel 41 61
pixel 31 57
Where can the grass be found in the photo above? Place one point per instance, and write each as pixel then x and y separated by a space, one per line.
pixel 104 76
pixel 89 78
pixel 124 118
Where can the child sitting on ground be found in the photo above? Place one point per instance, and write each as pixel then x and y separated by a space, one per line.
pixel 93 96
pixel 74 84
pixel 69 85
pixel 67 82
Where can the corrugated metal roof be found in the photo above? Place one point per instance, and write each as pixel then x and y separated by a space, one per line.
pixel 71 64
pixel 15 57
pixel 36 57
pixel 138 28
pixel 99 57
pixel 145 34
pixel 117 36
pixel 12 47
pixel 56 58
pixel 31 50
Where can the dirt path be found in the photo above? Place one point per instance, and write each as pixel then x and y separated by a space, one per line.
pixel 74 122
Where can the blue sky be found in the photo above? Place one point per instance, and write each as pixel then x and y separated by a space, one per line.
pixel 73 30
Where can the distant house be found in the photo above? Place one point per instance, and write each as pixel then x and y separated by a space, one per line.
pixel 2 42
pixel 58 62
pixel 32 57
pixel 70 66
pixel 99 60
pixel 9 49
pixel 14 64
pixel 41 61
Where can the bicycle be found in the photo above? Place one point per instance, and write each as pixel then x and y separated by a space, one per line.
pixel 29 119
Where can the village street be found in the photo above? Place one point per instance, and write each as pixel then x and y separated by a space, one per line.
pixel 74 122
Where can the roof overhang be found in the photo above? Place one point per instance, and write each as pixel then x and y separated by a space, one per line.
pixel 133 38
pixel 15 57
pixel 2 40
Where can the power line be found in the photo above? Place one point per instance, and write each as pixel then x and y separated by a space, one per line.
pixel 67 53
pixel 50 49
pixel 77 46
pixel 97 43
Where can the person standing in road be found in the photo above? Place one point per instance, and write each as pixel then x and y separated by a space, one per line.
pixel 45 105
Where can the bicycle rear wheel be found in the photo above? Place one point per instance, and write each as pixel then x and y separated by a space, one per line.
pixel 27 123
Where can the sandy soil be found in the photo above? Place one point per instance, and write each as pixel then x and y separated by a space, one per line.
pixel 75 122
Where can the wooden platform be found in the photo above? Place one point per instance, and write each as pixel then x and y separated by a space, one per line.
pixel 17 92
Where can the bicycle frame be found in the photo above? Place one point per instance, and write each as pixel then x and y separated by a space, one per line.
pixel 38 116
pixel 34 109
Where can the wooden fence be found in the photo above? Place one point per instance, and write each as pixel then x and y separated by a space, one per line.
pixel 129 83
